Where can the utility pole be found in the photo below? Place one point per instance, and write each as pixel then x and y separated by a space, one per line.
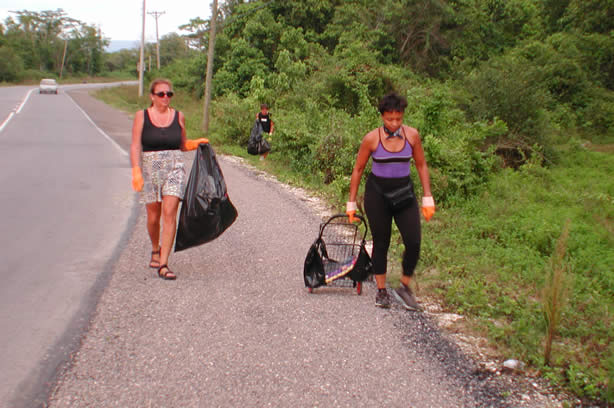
pixel 63 57
pixel 210 54
pixel 70 23
pixel 157 14
pixel 141 62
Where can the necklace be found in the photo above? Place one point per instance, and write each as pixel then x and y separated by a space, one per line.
pixel 159 121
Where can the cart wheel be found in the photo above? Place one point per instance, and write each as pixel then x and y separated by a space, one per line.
pixel 310 290
pixel 359 288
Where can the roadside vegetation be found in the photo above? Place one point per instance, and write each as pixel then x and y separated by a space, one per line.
pixel 51 44
pixel 515 104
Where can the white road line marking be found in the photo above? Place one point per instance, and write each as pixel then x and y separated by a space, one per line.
pixel 24 101
pixel 16 110
pixel 102 132
pixel 6 121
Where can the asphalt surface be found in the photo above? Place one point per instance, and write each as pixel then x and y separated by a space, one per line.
pixel 238 327
pixel 64 208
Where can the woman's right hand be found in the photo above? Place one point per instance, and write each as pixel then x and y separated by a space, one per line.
pixel 428 207
pixel 137 179
pixel 350 210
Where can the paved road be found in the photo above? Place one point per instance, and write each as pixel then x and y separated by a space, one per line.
pixel 64 211
pixel 238 328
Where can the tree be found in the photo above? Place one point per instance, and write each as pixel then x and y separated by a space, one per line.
pixel 11 65
pixel 46 41
pixel 122 60
pixel 173 47
pixel 243 63
pixel 591 16
pixel 197 29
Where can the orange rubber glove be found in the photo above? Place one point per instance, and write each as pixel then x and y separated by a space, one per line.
pixel 350 210
pixel 193 144
pixel 428 207
pixel 137 178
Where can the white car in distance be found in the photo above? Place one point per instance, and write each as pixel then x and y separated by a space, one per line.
pixel 48 85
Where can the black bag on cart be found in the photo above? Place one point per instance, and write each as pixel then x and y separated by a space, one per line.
pixel 363 267
pixel 207 210
pixel 313 270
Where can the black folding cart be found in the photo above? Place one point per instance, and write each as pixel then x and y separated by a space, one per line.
pixel 338 256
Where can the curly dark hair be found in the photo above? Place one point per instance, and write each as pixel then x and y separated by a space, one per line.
pixel 392 102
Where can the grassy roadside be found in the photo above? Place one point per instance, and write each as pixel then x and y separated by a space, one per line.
pixel 489 257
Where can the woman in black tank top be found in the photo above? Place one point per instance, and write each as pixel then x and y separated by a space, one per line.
pixel 158 173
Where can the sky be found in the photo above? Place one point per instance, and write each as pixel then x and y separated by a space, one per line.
pixel 119 20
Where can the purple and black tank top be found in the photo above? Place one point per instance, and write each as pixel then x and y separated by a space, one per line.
pixel 389 164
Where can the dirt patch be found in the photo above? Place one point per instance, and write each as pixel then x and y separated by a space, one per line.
pixel 603 148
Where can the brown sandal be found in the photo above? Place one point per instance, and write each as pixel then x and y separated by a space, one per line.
pixel 153 263
pixel 168 275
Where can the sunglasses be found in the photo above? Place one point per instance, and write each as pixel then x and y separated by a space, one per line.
pixel 162 94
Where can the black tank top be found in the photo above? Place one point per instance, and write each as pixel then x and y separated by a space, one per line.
pixel 155 138
pixel 265 121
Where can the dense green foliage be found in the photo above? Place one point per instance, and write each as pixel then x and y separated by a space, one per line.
pixel 506 94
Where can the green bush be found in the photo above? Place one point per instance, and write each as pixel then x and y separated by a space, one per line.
pixel 11 65
pixel 459 160
pixel 510 89
pixel 572 67
pixel 187 74
pixel 35 75
pixel 244 62
pixel 232 118
pixel 597 117
pixel 490 254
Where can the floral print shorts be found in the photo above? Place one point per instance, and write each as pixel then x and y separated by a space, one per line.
pixel 163 174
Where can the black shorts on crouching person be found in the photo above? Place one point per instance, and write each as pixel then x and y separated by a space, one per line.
pixel 380 216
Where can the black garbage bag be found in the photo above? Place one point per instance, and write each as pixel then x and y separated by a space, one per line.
pixel 363 267
pixel 313 269
pixel 207 210
pixel 257 144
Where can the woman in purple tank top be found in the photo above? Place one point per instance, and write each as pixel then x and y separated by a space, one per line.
pixel 389 195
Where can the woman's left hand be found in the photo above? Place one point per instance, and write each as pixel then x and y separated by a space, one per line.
pixel 350 210
pixel 193 144
pixel 428 207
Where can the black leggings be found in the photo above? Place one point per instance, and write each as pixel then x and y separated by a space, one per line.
pixel 380 221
